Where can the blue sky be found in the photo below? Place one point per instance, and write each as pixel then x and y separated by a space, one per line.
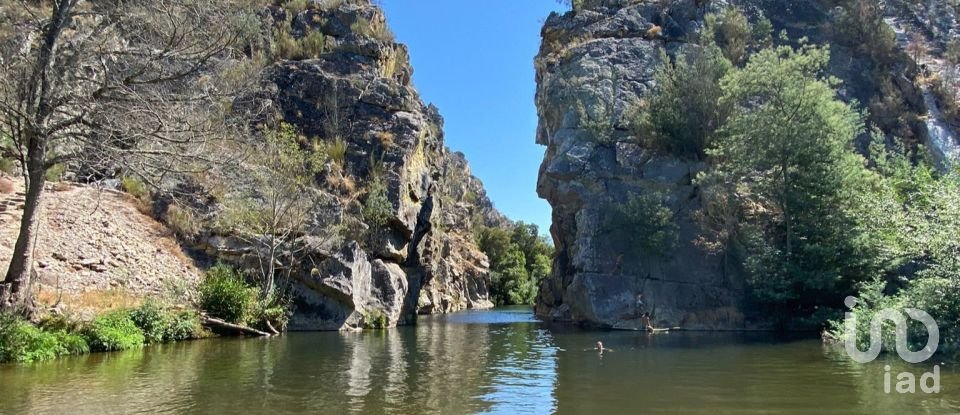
pixel 474 61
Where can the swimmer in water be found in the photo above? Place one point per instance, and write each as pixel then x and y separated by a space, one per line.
pixel 598 348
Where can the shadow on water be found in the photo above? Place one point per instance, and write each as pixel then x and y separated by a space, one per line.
pixel 501 361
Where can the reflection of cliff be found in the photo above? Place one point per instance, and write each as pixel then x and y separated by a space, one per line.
pixel 441 366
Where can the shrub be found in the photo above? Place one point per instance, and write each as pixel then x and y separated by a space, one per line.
pixel 928 294
pixel 182 221
pixel 284 45
pixel 683 116
pixel 224 294
pixel 365 28
pixel 377 208
pixel 136 188
pixel 61 323
pixel 55 172
pixel 153 319
pixel 732 32
pixel 72 343
pixel 23 342
pixel 114 331
pixel 337 151
pixel 643 224
pixel 375 320
pixel 8 166
pixel 184 325
pixel 313 44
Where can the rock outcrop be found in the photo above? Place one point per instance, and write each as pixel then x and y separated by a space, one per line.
pixel 597 63
pixel 356 92
pixel 595 66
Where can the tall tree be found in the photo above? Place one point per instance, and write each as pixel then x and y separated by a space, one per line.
pixel 788 147
pixel 273 211
pixel 115 84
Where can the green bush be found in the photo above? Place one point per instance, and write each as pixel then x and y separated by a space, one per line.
pixel 72 343
pixel 377 209
pixel 932 295
pixel 225 295
pixel 732 32
pixel 114 331
pixel 23 342
pixel 136 188
pixel 153 320
pixel 643 224
pixel 375 320
pixel 683 116
pixel 184 325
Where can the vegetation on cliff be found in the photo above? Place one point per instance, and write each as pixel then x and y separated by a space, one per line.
pixel 811 218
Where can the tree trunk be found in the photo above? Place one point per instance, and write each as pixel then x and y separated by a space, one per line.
pixel 219 324
pixel 15 292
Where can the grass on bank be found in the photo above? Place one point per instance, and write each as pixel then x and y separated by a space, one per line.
pixel 57 336
pixel 224 294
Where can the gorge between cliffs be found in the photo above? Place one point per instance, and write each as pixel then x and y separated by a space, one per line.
pixel 212 206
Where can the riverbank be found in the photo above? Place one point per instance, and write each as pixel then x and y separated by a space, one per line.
pixel 226 305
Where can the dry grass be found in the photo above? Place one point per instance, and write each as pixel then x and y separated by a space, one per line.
pixel 182 221
pixel 343 183
pixel 87 303
pixel 385 138
pixel 654 32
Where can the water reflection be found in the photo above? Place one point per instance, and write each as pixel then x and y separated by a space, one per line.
pixel 501 362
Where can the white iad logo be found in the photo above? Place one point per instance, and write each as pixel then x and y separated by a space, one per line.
pixel 906 381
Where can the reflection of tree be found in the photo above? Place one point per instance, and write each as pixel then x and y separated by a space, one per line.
pixel 123 382
pixel 438 366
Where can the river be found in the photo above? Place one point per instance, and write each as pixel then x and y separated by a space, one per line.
pixel 500 362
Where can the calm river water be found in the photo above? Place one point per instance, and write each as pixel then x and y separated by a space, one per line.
pixel 500 361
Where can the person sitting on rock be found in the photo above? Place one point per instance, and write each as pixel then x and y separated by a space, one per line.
pixel 645 322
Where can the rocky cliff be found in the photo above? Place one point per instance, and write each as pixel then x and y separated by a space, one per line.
pixel 425 259
pixel 597 64
pixel 352 89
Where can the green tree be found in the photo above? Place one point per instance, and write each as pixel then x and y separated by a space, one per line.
pixel 788 147
pixel 860 25
pixel 763 33
pixel 519 260
pixel 643 224
pixel 685 112
pixel 732 33
pixel 274 211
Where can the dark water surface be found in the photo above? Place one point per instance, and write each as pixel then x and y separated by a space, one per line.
pixel 501 361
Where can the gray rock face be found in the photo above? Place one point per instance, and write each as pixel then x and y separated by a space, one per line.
pixel 595 65
pixel 358 93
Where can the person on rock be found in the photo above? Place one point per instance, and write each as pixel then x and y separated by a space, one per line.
pixel 646 323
